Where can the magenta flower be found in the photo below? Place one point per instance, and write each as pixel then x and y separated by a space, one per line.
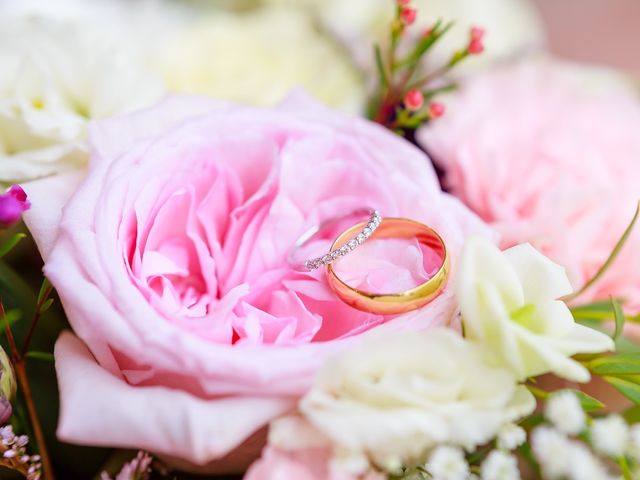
pixel 12 204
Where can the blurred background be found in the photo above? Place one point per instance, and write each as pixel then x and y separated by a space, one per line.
pixel 601 31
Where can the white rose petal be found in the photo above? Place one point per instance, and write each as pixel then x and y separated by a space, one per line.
pixel 54 78
pixel 509 301
pixel 500 466
pixel 563 409
pixel 447 463
pixel 609 435
pixel 397 396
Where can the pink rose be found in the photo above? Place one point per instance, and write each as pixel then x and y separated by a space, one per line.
pixel 170 260
pixel 549 154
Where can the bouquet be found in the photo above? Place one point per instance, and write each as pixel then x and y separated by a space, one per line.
pixel 314 241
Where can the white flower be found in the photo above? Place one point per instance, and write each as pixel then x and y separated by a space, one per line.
pixel 509 302
pixel 583 465
pixel 54 78
pixel 511 436
pixel 258 57
pixel 500 466
pixel 447 463
pixel 552 450
pixel 397 396
pixel 609 435
pixel 633 448
pixel 563 409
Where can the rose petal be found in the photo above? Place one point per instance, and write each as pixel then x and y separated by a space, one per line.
pixel 157 419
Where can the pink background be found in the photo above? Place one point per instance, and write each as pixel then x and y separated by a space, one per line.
pixel 601 31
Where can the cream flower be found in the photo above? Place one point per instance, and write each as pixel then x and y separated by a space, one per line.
pixel 610 435
pixel 509 302
pixel 395 397
pixel 257 57
pixel 564 411
pixel 447 463
pixel 54 78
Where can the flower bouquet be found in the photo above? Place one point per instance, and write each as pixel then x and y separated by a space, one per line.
pixel 314 241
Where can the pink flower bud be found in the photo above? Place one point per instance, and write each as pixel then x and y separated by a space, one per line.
pixel 413 100
pixel 402 3
pixel 436 109
pixel 12 204
pixel 408 15
pixel 476 46
pixel 477 33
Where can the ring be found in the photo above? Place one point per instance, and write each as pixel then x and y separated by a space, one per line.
pixel 393 303
pixel 358 237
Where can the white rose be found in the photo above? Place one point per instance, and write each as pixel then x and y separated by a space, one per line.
pixel 509 302
pixel 395 397
pixel 258 57
pixel 55 77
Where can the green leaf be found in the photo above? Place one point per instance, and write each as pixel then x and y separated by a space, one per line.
pixel 46 305
pixel 629 389
pixel 632 414
pixel 619 317
pixel 46 356
pixel 594 311
pixel 7 246
pixel 616 365
pixel 437 32
pixel 45 290
pixel 612 256
pixel 382 73
pixel 589 403
pixel 10 317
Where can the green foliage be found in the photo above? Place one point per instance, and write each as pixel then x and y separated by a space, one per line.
pixel 8 245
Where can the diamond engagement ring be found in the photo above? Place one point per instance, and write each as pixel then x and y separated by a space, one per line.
pixel 324 230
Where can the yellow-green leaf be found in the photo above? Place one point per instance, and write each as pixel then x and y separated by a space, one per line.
pixel 627 388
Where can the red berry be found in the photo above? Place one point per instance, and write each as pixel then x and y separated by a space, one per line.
pixel 477 33
pixel 408 15
pixel 413 100
pixel 475 46
pixel 436 109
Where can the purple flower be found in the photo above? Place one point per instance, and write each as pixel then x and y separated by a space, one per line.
pixel 12 204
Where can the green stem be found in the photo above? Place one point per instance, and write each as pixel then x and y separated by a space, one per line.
pixel 624 468
pixel 34 321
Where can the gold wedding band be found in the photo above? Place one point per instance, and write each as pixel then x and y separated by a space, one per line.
pixel 401 302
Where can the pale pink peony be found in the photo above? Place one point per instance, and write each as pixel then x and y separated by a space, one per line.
pixel 549 154
pixel 170 260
